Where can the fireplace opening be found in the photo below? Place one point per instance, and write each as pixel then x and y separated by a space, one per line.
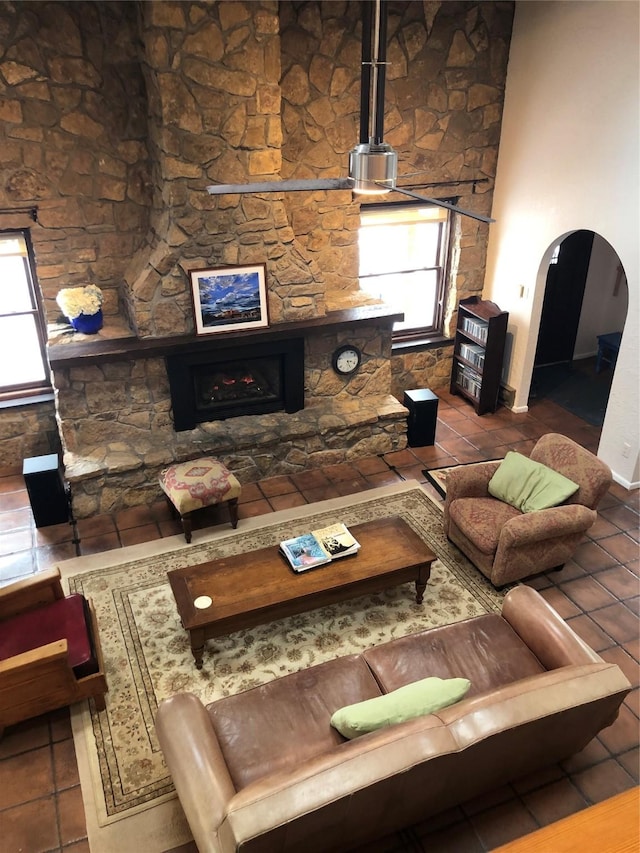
pixel 217 383
pixel 237 381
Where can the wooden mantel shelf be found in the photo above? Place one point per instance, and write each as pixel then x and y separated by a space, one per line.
pixel 117 349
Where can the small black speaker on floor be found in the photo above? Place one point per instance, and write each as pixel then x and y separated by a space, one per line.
pixel 423 414
pixel 46 487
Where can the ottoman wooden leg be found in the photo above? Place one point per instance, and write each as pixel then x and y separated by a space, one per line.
pixel 233 511
pixel 174 511
pixel 186 526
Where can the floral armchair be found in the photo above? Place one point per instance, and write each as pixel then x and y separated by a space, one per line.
pixel 508 545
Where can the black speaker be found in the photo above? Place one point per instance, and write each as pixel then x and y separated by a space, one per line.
pixel 423 414
pixel 46 487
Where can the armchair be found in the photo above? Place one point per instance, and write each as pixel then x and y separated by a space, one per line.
pixel 50 653
pixel 508 545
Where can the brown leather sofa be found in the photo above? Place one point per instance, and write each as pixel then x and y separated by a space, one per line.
pixel 263 771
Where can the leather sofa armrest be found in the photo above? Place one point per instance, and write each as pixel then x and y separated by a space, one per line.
pixel 545 632
pixel 599 688
pixel 197 766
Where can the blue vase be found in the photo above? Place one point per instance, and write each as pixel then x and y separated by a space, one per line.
pixel 88 324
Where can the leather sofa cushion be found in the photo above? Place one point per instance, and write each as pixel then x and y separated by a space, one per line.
pixel 486 650
pixel 482 520
pixel 277 726
pixel 64 619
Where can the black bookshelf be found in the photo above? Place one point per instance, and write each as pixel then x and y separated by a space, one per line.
pixel 478 353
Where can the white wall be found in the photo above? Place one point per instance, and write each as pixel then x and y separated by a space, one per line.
pixel 568 160
pixel 605 303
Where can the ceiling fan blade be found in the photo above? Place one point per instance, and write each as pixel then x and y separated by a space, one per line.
pixel 283 186
pixel 445 204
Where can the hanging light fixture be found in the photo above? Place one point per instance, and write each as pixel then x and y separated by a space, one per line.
pixel 373 164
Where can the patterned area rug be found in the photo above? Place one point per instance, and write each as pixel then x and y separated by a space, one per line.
pixel 129 797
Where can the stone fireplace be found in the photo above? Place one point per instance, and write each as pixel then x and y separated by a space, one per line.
pixel 116 413
pixel 116 148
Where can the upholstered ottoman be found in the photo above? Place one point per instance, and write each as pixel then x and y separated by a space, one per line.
pixel 194 485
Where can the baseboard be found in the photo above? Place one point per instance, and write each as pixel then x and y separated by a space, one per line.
pixel 625 483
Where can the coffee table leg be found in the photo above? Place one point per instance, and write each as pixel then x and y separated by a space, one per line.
pixel 196 638
pixel 424 573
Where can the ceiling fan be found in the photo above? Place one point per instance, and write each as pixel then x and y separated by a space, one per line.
pixel 373 164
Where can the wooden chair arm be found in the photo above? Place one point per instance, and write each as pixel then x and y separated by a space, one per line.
pixel 35 682
pixel 35 591
pixel 31 659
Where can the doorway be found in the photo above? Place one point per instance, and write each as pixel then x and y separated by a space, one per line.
pixel 585 297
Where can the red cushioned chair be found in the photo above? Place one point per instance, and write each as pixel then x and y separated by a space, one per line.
pixel 50 652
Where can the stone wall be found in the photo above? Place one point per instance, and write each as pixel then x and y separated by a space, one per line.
pixel 73 140
pixel 115 124
pixel 260 91
pixel 115 116
pixel 213 82
pixel 25 431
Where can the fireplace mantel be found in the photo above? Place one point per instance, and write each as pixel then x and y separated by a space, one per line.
pixel 117 349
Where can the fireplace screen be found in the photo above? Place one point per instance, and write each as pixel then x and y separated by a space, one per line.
pixel 210 383
pixel 236 383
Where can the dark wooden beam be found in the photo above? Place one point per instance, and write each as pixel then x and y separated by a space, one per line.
pixel 123 349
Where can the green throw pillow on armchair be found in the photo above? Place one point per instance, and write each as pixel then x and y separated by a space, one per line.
pixel 529 485
pixel 413 700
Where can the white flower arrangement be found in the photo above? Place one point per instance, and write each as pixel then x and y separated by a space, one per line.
pixel 79 300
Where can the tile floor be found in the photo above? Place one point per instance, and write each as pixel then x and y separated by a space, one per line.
pixel 598 593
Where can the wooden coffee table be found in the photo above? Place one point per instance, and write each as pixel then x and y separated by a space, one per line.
pixel 259 586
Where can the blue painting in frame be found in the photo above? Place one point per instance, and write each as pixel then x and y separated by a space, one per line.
pixel 229 299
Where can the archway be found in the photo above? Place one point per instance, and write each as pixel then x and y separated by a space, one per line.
pixel 586 298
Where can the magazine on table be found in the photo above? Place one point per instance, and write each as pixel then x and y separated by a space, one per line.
pixel 319 547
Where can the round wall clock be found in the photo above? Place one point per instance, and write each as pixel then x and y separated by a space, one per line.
pixel 346 359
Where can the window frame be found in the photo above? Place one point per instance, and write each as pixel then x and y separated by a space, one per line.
pixel 22 390
pixel 422 334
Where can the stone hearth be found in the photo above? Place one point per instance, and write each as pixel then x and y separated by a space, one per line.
pixel 114 411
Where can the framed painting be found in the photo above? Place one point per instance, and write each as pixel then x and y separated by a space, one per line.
pixel 229 299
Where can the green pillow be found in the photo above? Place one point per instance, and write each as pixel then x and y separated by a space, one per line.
pixel 529 485
pixel 405 703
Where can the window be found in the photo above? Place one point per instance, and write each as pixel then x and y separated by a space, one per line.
pixel 23 362
pixel 403 250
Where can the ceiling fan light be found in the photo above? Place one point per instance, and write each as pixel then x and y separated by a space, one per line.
pixel 373 168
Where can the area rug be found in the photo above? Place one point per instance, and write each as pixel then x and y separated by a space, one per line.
pixel 129 799
pixel 438 476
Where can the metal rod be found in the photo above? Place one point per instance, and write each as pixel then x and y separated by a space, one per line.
pixel 365 78
pixel 379 70
pixel 32 211
pixel 473 181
